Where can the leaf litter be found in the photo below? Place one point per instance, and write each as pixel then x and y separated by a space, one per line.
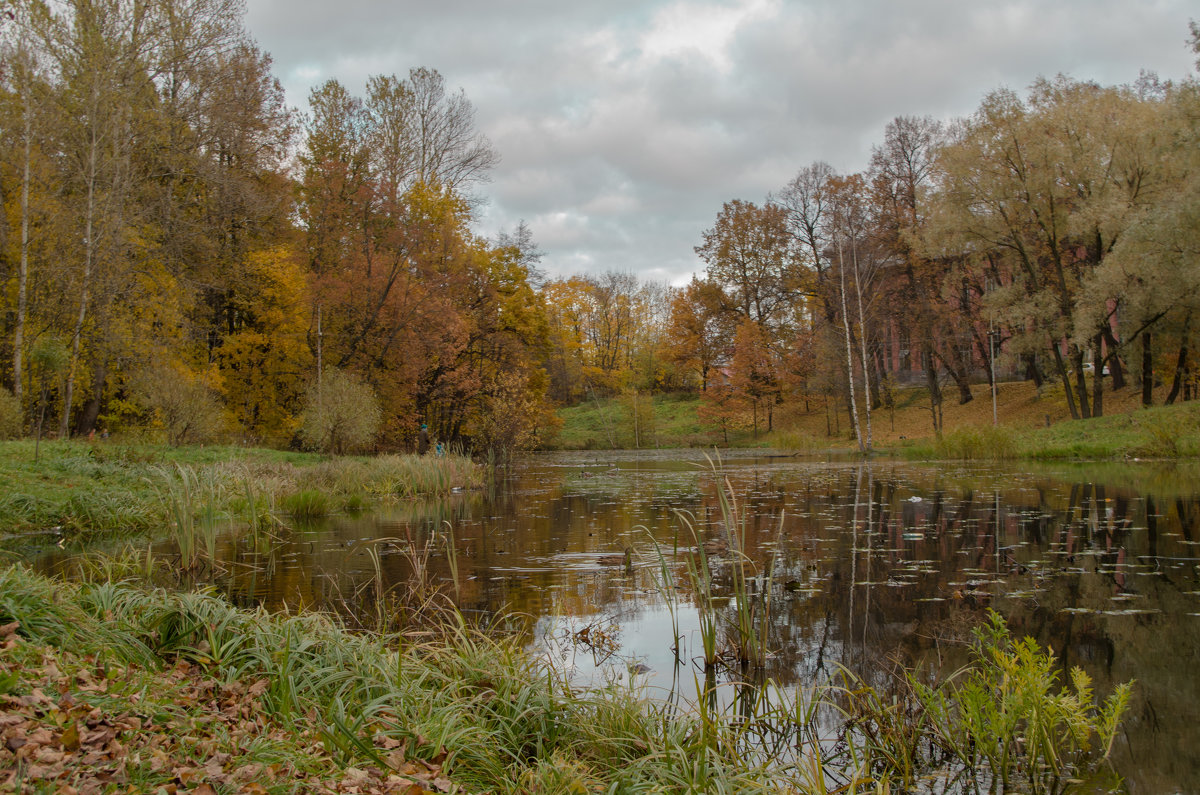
pixel 72 724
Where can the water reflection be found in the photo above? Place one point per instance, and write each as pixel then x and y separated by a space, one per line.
pixel 872 563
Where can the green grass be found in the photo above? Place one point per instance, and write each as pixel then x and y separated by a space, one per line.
pixel 86 488
pixel 1161 432
pixel 1164 432
pixel 305 504
pixel 606 424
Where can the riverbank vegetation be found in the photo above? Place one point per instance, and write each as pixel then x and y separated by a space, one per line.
pixel 107 487
pixel 1030 427
pixel 116 686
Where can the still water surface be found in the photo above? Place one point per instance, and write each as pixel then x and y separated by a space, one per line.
pixel 872 562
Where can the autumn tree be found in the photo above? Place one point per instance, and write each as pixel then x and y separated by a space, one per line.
pixel 697 332
pixel 1146 285
pixel 1049 184
pixel 403 293
pixel 808 201
pixel 753 372
pixel 608 333
pixel 750 255
pixel 855 264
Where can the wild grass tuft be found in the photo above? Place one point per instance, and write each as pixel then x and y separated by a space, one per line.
pixel 974 443
pixel 305 504
pixel 192 500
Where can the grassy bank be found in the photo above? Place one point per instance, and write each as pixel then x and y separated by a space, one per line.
pixel 1030 426
pixel 606 424
pixel 1161 432
pixel 81 488
pixel 114 688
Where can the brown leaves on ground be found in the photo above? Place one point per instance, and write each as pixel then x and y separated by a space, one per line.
pixel 93 729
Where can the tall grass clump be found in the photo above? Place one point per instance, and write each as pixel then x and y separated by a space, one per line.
pixel 973 443
pixel 700 575
pixel 193 499
pixel 305 504
pixel 745 628
pixel 1167 432
pixel 393 476
pixel 751 587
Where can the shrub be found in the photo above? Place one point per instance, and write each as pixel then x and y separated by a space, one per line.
pixel 188 409
pixel 341 414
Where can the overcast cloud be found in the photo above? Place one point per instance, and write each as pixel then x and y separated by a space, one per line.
pixel 623 126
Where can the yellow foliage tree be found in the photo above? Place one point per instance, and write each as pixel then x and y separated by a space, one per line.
pixel 265 363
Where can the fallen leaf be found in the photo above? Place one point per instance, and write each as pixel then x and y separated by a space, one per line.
pixel 70 737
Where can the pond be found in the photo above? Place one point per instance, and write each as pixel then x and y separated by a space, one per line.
pixel 869 564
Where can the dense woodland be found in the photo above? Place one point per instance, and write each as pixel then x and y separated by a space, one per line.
pixel 183 250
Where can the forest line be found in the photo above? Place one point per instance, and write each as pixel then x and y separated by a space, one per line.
pixel 182 250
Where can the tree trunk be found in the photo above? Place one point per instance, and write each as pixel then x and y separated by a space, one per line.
pixel 1147 369
pixel 23 268
pixel 89 253
pixel 849 353
pixel 935 389
pixel 1032 371
pixel 1181 365
pixel 959 375
pixel 1065 376
pixel 91 410
pixel 1085 409
pixel 862 344
pixel 1098 377
pixel 1113 360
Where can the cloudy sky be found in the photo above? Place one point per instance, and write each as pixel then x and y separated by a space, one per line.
pixel 623 125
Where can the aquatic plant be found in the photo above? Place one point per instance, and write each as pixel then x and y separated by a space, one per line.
pixel 192 498
pixel 1009 712
pixel 700 576
pixel 1004 718
pixel 306 504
